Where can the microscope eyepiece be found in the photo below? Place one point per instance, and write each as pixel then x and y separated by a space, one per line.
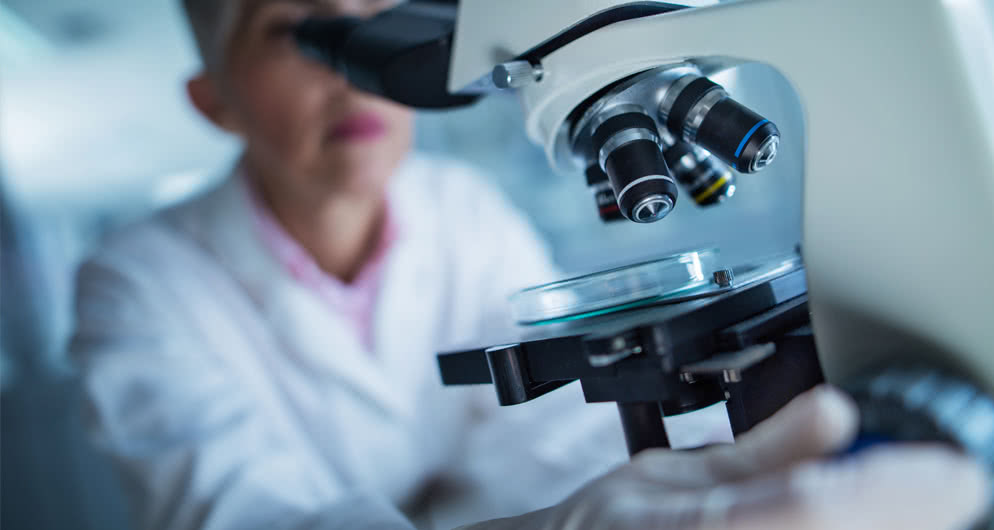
pixel 401 54
pixel 699 111
pixel 628 149
pixel 325 40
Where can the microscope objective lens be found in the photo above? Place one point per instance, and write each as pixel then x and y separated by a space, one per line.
pixel 628 148
pixel 704 177
pixel 702 113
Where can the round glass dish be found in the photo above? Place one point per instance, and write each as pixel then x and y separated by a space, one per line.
pixel 616 289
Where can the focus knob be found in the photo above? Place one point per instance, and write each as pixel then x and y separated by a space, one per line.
pixel 921 404
pixel 516 74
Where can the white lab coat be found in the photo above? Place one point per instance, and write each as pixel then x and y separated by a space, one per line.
pixel 233 397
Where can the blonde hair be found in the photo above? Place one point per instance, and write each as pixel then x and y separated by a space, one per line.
pixel 213 23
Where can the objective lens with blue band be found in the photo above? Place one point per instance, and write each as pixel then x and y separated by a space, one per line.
pixel 704 115
pixel 738 150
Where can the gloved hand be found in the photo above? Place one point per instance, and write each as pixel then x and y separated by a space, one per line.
pixel 773 478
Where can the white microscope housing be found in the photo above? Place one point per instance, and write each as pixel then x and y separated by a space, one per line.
pixel 898 100
pixel 898 195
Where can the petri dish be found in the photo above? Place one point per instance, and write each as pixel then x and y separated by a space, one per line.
pixel 673 279
pixel 615 289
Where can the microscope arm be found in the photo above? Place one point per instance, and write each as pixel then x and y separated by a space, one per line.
pixel 867 95
pixel 404 54
pixel 883 85
pixel 831 51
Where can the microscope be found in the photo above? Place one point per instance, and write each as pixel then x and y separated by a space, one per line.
pixel 893 299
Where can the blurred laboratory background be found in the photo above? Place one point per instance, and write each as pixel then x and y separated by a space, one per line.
pixel 95 132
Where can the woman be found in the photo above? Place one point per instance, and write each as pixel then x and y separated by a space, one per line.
pixel 262 357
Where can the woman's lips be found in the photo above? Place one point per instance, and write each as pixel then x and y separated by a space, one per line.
pixel 358 127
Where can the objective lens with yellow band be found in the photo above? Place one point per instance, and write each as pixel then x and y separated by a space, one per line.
pixel 704 177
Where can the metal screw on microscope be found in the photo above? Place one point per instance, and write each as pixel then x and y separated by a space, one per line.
pixel 688 378
pixel 731 376
pixel 724 277
pixel 516 74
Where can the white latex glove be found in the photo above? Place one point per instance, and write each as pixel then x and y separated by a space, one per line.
pixel 774 479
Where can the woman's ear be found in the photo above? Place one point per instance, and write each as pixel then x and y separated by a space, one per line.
pixel 205 94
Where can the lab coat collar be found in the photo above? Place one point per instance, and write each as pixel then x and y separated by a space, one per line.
pixel 305 328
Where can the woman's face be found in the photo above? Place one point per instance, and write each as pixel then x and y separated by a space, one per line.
pixel 307 131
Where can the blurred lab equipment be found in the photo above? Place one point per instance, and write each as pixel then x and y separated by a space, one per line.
pixel 94 133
